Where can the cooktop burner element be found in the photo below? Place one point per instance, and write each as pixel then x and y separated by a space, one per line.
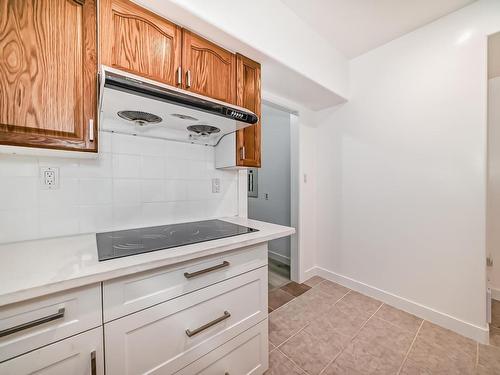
pixel 117 244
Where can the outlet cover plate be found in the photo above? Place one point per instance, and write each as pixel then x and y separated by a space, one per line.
pixel 49 178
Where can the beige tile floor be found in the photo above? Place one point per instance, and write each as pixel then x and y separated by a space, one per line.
pixel 333 330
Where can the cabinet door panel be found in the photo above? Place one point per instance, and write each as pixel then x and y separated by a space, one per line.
pixel 210 69
pixel 48 73
pixel 138 41
pixel 78 355
pixel 248 96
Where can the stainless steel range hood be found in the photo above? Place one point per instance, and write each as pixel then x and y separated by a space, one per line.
pixel 134 105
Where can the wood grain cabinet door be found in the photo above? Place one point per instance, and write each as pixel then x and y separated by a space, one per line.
pixel 136 40
pixel 209 69
pixel 248 95
pixel 48 74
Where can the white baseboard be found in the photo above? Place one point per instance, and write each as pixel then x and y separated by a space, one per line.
pixel 278 257
pixel 480 334
pixel 495 294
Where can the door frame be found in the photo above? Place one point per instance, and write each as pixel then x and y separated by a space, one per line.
pixel 296 273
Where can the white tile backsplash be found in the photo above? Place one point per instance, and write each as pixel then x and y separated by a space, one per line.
pixel 133 182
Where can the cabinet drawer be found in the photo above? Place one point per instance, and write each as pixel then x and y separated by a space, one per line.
pixel 129 294
pixel 29 325
pixel 246 354
pixel 78 355
pixel 163 339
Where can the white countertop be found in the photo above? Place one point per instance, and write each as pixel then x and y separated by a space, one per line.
pixel 32 269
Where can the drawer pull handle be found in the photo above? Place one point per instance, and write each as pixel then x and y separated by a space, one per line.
pixel 208 325
pixel 21 327
pixel 93 363
pixel 188 275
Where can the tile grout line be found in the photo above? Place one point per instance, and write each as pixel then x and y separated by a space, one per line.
pixel 353 337
pixel 410 348
pixel 291 360
pixel 292 336
pixel 395 325
pixel 477 356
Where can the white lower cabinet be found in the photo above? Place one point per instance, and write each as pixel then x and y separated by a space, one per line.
pixel 77 355
pixel 169 336
pixel 246 354
pixel 32 324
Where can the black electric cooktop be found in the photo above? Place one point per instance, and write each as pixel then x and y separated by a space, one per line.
pixel 117 244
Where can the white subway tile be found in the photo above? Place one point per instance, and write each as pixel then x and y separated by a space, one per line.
pixel 126 192
pixel 153 167
pixel 175 168
pixel 126 217
pixel 59 222
pixel 178 150
pixel 105 142
pixel 19 193
pixel 95 191
pixel 200 190
pixel 65 195
pixel 176 190
pixel 18 225
pixel 100 167
pixel 129 144
pixel 158 213
pixel 68 167
pixel 18 166
pixel 96 218
pixel 152 190
pixel 126 144
pixel 126 166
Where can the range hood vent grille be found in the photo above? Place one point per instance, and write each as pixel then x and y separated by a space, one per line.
pixel 140 118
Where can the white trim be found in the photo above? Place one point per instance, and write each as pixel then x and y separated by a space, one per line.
pixel 278 257
pixel 495 294
pixel 477 333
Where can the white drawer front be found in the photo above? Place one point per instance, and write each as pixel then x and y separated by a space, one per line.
pixel 29 325
pixel 129 294
pixel 78 355
pixel 246 354
pixel 155 340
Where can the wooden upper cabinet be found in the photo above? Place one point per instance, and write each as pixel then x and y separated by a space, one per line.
pixel 209 69
pixel 248 95
pixel 48 74
pixel 136 40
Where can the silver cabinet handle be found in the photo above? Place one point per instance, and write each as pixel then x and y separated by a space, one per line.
pixel 21 327
pixel 93 363
pixel 190 333
pixel 242 153
pixel 179 76
pixel 188 79
pixel 224 264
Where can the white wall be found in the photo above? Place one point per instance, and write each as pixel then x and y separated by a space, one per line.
pixel 135 182
pixel 402 169
pixel 274 178
pixel 297 62
pixel 493 207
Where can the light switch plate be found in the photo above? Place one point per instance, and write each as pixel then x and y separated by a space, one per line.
pixel 215 185
pixel 49 177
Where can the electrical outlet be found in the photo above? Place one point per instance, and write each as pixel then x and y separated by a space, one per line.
pixel 49 177
pixel 215 185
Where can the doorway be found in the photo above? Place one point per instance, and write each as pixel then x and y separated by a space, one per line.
pixel 269 189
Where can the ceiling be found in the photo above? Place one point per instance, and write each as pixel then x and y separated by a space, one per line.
pixel 357 26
